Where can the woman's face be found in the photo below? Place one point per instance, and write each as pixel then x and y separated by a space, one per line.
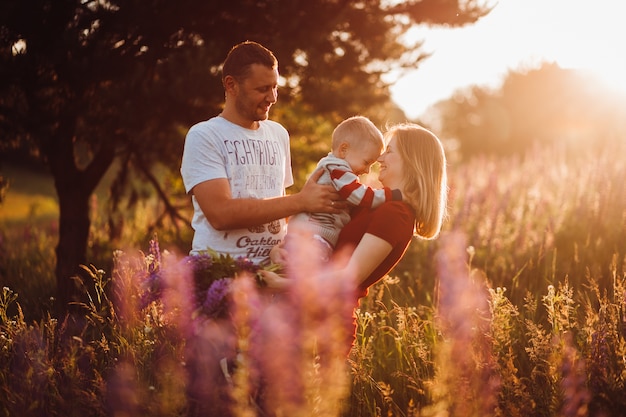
pixel 391 166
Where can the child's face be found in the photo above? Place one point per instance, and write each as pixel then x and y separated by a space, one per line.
pixel 361 158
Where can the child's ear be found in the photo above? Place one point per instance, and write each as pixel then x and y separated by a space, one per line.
pixel 343 149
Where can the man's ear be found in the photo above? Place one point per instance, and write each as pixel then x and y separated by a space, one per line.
pixel 230 84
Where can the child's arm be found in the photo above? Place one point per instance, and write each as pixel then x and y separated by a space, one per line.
pixel 350 188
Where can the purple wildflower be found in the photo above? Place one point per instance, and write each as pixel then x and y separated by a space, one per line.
pixel 155 251
pixel 214 303
pixel 152 288
pixel 245 264
pixel 212 274
pixel 199 263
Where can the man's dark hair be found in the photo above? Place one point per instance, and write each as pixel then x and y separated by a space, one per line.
pixel 243 55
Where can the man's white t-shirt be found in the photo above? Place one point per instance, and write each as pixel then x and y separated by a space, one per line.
pixel 257 164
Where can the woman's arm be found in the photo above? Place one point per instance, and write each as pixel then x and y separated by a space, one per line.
pixel 370 252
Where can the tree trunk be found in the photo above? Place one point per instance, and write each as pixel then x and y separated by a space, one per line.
pixel 73 235
pixel 74 187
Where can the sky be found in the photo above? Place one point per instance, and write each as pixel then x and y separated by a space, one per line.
pixel 516 35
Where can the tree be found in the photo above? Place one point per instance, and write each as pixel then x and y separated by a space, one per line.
pixel 541 105
pixel 84 83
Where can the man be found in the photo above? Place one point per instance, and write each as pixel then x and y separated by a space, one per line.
pixel 237 165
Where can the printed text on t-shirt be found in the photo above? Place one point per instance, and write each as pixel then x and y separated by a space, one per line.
pixel 251 151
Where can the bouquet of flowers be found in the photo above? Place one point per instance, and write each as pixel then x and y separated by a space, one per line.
pixel 212 275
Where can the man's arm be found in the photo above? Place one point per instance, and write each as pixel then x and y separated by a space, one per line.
pixel 225 212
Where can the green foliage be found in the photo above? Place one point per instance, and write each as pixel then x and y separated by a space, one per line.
pixel 90 86
pixel 84 365
pixel 27 265
pixel 516 310
pixel 510 365
pixel 310 137
pixel 392 358
pixel 533 108
pixel 532 220
pixel 4 185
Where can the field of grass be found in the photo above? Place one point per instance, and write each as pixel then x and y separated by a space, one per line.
pixel 31 195
pixel 518 309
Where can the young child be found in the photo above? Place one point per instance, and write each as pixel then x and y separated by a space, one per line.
pixel 356 145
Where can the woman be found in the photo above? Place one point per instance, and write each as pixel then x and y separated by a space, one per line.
pixel 376 239
pixel 414 162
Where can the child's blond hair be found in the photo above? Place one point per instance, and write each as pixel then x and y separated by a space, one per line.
pixel 357 130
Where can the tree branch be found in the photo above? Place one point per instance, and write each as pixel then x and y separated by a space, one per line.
pixel 170 209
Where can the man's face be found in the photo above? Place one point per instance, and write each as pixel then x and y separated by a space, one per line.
pixel 256 93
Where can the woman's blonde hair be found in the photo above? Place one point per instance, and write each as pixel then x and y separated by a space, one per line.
pixel 425 177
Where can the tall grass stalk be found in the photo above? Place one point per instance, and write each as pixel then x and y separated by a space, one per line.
pixel 519 309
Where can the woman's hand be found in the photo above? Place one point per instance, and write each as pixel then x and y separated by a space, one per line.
pixel 273 280
pixel 278 255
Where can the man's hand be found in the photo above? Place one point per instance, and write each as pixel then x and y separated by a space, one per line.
pixel 317 198
pixel 226 213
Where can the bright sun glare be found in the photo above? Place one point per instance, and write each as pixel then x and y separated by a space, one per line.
pixel 517 34
pixel 591 39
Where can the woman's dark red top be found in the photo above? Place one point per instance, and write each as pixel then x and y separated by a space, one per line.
pixel 392 221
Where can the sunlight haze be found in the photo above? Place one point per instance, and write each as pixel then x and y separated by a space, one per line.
pixel 516 35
